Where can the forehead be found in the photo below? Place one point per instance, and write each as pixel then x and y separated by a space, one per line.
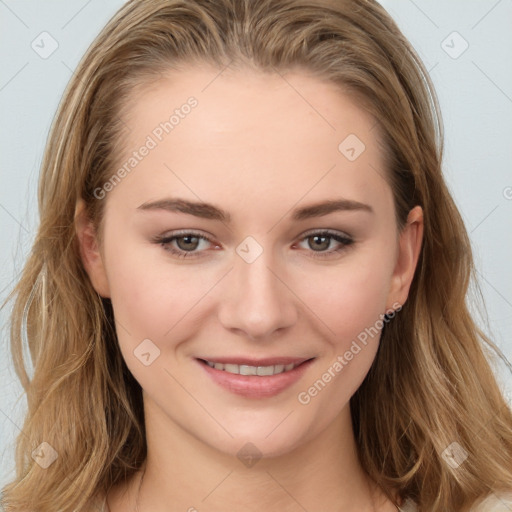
pixel 287 134
pixel 249 102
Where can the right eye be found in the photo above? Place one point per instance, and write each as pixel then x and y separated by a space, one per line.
pixel 182 244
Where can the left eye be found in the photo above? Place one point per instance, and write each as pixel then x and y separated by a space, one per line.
pixel 185 244
pixel 322 240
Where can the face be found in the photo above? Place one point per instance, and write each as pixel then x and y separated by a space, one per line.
pixel 255 231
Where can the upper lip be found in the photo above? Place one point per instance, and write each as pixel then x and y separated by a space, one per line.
pixel 249 361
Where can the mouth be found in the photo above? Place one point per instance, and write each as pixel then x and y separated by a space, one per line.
pixel 255 378
pixel 253 369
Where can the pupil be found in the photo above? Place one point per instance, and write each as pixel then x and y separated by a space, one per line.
pixel 320 237
pixel 187 240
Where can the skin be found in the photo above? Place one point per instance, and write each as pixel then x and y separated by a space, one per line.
pixel 258 149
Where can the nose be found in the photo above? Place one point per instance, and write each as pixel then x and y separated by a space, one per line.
pixel 257 300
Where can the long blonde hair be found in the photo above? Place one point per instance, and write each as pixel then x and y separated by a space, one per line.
pixel 431 384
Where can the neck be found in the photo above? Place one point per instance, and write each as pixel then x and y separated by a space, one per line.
pixel 323 473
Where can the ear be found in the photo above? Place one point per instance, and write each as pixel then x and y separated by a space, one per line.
pixel 89 250
pixel 409 249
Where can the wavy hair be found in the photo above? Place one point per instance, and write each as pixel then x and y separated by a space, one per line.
pixel 432 382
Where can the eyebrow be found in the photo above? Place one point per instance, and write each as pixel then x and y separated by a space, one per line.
pixel 209 211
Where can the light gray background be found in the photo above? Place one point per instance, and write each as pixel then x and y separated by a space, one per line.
pixel 475 91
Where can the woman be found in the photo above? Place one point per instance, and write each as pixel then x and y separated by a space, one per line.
pixel 247 291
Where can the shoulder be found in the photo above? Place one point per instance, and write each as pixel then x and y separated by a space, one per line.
pixel 497 502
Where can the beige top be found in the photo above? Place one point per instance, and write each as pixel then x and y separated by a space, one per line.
pixel 493 503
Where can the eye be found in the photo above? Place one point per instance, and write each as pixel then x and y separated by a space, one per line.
pixel 320 240
pixel 187 244
pixel 182 244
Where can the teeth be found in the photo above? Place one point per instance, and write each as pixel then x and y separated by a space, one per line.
pixel 248 370
pixel 244 369
pixel 231 368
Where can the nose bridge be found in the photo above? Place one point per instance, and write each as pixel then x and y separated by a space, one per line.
pixel 257 281
pixel 259 302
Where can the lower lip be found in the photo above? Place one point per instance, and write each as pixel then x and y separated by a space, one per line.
pixel 253 386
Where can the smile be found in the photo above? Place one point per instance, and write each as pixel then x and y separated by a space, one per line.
pixel 244 369
pixel 255 378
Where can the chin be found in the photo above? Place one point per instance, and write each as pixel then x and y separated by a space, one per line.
pixel 264 439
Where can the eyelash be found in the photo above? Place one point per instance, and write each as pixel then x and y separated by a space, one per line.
pixel 165 241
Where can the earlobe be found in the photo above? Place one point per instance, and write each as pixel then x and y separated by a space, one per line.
pixel 89 250
pixel 409 250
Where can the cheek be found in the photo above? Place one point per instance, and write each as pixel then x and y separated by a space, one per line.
pixel 348 298
pixel 155 314
pixel 152 302
pixel 351 307
pixel 350 301
pixel 153 298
